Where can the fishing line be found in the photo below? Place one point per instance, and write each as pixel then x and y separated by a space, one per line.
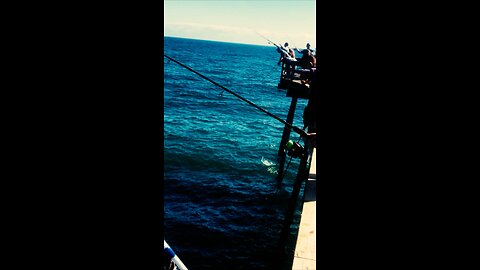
pixel 288 164
pixel 296 129
pixel 269 41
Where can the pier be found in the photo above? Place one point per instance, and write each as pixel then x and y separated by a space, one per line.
pixel 305 257
pixel 296 82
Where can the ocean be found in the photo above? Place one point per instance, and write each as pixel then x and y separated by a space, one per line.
pixel 222 209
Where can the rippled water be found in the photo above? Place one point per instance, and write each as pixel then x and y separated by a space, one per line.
pixel 221 209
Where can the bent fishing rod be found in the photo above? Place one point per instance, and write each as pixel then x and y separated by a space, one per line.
pixel 296 129
pixel 269 41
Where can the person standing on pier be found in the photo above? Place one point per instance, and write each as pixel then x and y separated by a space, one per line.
pixel 286 55
pixel 286 52
pixel 308 61
pixel 308 48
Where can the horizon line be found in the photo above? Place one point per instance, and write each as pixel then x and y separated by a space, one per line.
pixel 268 45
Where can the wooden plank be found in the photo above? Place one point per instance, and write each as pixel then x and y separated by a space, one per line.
pixel 305 251
pixel 311 184
pixel 304 264
pixel 313 165
pixel 296 89
pixel 305 256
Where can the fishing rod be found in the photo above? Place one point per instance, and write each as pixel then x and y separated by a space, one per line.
pixel 296 129
pixel 269 41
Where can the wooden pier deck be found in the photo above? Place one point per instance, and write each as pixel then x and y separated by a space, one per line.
pixel 305 257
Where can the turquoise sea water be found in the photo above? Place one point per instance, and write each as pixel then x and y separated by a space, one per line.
pixel 221 209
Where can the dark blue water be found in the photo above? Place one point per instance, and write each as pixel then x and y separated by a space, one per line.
pixel 221 210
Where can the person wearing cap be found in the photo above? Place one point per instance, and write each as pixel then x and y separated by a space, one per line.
pixel 308 48
pixel 308 66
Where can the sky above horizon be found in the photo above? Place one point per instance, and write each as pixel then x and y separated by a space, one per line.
pixel 235 21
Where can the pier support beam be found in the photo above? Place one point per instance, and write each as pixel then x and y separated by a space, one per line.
pixel 302 175
pixel 285 137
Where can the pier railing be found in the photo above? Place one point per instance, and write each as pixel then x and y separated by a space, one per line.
pixel 287 74
pixel 293 76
